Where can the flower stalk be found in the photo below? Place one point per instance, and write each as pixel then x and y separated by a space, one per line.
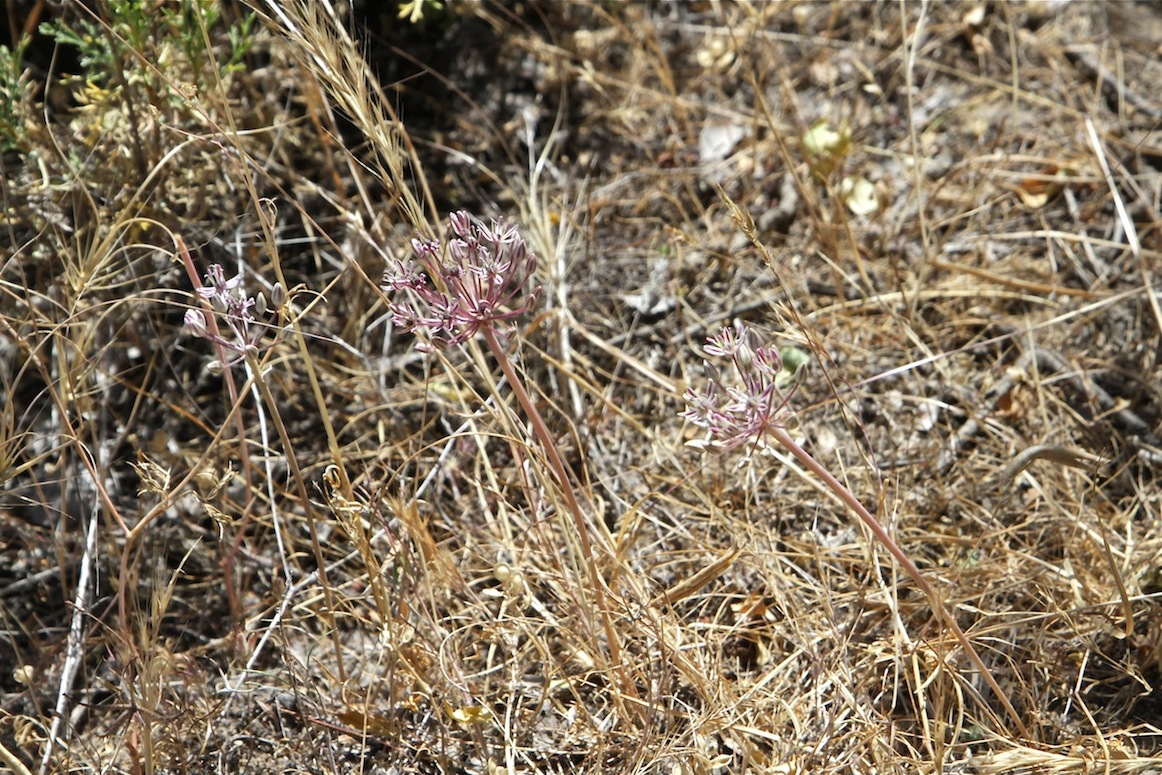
pixel 247 319
pixel 476 286
pixel 747 415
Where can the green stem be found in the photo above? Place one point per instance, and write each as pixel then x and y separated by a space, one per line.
pixel 884 538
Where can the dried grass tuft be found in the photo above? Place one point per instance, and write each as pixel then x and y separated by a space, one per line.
pixel 363 560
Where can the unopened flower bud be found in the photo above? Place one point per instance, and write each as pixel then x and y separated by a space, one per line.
pixel 195 323
pixel 745 352
pixel 461 223
pixel 277 296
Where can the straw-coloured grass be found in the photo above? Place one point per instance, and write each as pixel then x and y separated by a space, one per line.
pixel 341 553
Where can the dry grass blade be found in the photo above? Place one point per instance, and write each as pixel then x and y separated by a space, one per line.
pixel 327 51
pixel 696 583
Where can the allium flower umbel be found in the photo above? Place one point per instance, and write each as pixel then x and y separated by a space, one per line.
pixel 737 412
pixel 479 280
pixel 229 300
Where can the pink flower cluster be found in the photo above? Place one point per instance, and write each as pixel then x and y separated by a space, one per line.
pixel 229 300
pixel 740 412
pixel 478 282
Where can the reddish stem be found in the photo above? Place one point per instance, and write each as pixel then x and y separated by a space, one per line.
pixel 550 447
pixel 884 538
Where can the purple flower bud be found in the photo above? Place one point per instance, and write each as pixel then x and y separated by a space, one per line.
pixel 428 251
pixel 461 223
pixel 195 323
pixel 768 361
pixel 458 250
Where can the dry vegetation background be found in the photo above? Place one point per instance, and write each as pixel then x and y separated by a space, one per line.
pixel 969 260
